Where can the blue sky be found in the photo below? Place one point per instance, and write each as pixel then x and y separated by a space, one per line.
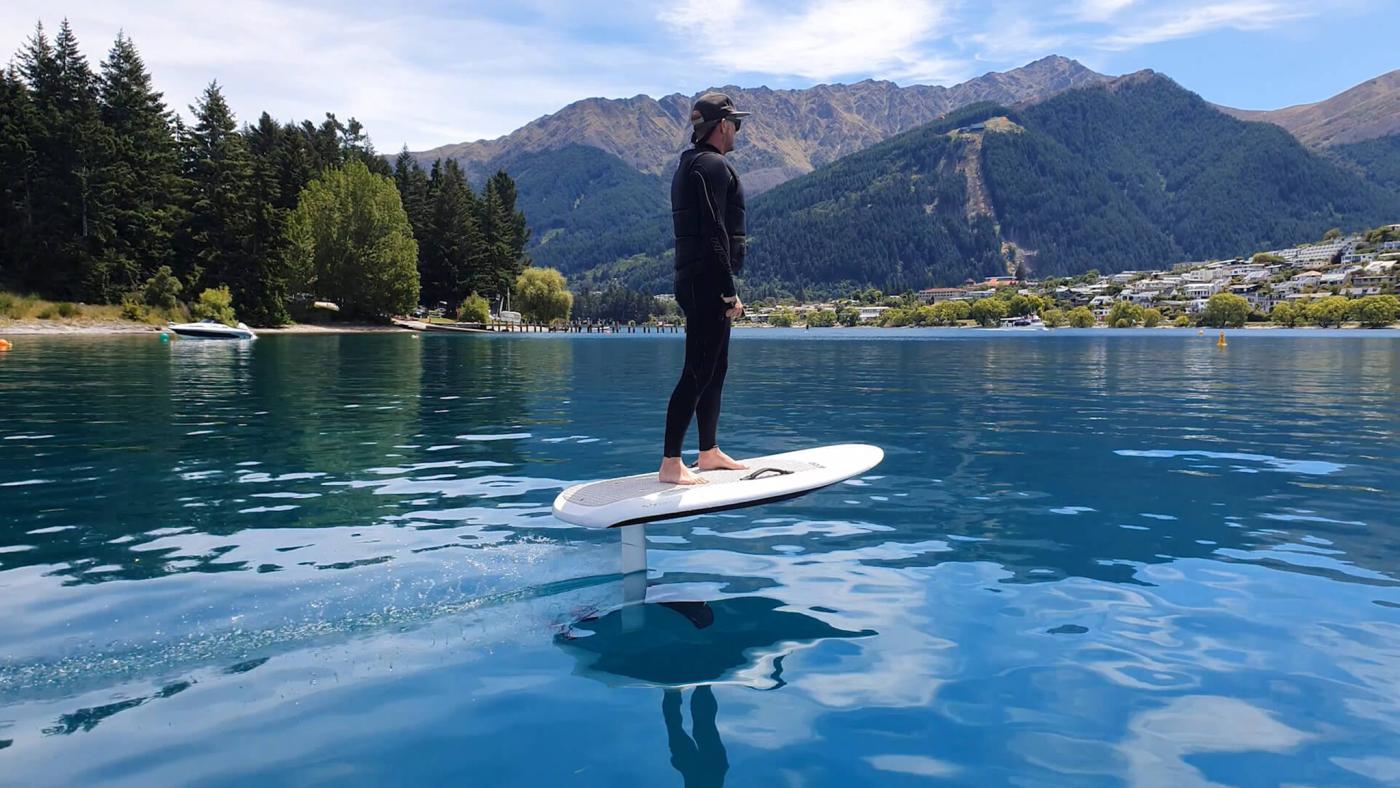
pixel 429 73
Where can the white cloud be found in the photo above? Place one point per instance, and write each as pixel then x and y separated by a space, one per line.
pixel 823 40
pixel 432 74
pixel 409 78
pixel 1101 10
pixel 1184 22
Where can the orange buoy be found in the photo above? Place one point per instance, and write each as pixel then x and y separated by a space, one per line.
pixel 5 345
pixel 1220 342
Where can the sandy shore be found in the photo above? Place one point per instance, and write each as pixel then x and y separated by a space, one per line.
pixel 335 328
pixel 59 327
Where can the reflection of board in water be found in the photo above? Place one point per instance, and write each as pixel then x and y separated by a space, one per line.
pixel 740 640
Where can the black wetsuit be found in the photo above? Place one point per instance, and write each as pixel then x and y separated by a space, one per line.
pixel 707 211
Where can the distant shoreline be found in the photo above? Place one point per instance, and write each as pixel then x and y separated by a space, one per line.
pixel 59 327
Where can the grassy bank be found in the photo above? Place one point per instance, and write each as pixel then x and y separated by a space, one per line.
pixel 19 308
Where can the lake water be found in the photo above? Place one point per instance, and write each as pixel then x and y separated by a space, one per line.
pixel 1089 558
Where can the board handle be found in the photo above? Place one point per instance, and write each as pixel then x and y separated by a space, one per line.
pixel 758 474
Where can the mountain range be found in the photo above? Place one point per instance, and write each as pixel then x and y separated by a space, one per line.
pixel 795 131
pixel 876 184
pixel 1367 111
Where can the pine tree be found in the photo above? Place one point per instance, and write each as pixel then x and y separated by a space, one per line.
pixel 18 127
pixel 503 235
pixel 140 177
pixel 519 232
pixel 323 142
pixel 412 183
pixel 452 263
pixel 355 145
pixel 275 185
pixel 69 223
pixel 217 240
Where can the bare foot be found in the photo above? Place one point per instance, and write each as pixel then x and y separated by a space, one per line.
pixel 673 471
pixel 716 460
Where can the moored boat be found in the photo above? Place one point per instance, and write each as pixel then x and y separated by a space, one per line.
pixel 1023 323
pixel 211 329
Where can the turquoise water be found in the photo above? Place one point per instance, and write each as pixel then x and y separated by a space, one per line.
pixel 1089 558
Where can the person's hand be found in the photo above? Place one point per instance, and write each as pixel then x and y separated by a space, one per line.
pixel 736 308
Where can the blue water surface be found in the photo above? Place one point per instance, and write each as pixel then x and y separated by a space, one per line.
pixel 1089 558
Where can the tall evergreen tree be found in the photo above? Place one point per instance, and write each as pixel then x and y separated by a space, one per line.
pixel 452 262
pixel 69 222
pixel 18 127
pixel 277 179
pixel 323 142
pixel 412 183
pixel 503 234
pixel 217 240
pixel 513 220
pixel 140 177
pixel 355 145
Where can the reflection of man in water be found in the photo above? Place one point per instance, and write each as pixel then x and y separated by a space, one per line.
pixel 701 761
pixel 705 643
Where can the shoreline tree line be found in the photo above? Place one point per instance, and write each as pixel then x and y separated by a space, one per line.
pixel 107 196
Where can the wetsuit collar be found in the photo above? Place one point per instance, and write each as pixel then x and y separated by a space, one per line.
pixel 707 146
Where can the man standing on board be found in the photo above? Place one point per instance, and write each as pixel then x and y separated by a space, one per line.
pixel 707 211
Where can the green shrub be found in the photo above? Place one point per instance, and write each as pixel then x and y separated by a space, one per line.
pixel 47 313
pixel 1081 317
pixel 215 303
pixel 1124 314
pixel 894 317
pixel 16 307
pixel 1288 314
pixel 1181 321
pixel 474 309
pixel 1152 317
pixel 134 308
pixel 68 309
pixel 988 311
pixel 1225 310
pixel 1374 311
pixel 163 289
pixel 1327 312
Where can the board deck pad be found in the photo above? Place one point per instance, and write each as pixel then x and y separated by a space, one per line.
pixel 639 499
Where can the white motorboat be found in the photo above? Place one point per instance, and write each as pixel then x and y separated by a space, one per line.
pixel 1023 323
pixel 212 329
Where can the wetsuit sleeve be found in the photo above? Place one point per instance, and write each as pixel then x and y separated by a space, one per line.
pixel 711 180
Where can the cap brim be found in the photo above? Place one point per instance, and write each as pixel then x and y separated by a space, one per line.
pixel 738 114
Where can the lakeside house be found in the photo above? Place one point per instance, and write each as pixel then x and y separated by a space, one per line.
pixel 1336 267
pixel 1204 289
pixel 1374 278
pixel 933 295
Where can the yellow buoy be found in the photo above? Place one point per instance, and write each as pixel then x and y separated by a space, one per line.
pixel 5 345
pixel 1221 341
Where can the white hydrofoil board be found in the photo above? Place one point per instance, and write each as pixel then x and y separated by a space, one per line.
pixel 631 500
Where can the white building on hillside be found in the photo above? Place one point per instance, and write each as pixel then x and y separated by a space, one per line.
pixel 1306 279
pixel 1203 289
